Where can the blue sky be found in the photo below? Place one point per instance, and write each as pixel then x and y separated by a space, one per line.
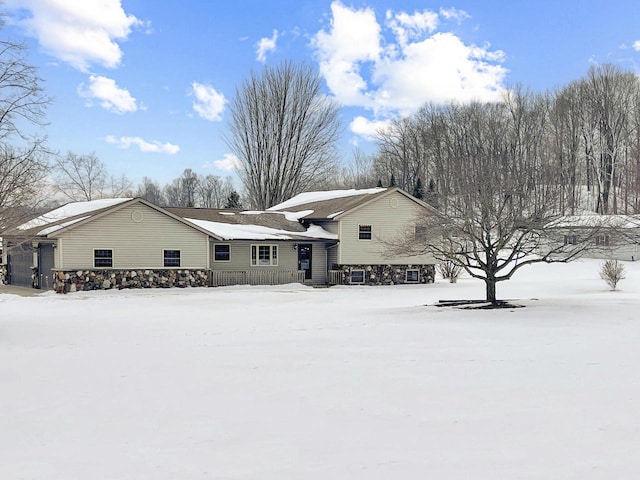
pixel 146 84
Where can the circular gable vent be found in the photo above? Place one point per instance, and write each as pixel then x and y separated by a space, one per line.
pixel 137 216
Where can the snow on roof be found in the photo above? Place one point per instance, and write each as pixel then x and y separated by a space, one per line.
pixel 229 231
pixel 595 220
pixel 291 216
pixel 55 228
pixel 71 210
pixel 311 197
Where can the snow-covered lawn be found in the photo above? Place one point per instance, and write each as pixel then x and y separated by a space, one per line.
pixel 342 383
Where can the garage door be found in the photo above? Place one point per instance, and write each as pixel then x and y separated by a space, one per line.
pixel 20 260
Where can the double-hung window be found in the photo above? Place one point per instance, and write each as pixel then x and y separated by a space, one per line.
pixel 222 252
pixel 264 255
pixel 570 240
pixel 364 232
pixel 602 240
pixel 102 258
pixel 171 258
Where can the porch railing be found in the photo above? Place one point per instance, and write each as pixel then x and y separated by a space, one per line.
pixel 335 277
pixel 256 277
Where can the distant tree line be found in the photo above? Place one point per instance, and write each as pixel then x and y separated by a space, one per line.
pixel 591 131
pixel 85 177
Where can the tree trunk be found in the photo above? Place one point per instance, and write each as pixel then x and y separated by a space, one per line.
pixel 490 284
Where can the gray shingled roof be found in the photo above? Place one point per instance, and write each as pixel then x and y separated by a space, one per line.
pixel 329 209
pixel 239 217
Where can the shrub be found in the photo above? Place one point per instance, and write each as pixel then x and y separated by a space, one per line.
pixel 612 271
pixel 450 269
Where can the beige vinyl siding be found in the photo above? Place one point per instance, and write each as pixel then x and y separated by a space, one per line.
pixel 287 258
pixel 332 256
pixel 319 263
pixel 389 216
pixel 135 245
pixel 241 256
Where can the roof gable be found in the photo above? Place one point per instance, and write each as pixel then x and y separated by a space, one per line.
pixel 72 215
pixel 335 204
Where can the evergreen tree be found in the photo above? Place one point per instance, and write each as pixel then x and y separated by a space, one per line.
pixel 392 182
pixel 418 190
pixel 233 200
pixel 379 184
pixel 431 196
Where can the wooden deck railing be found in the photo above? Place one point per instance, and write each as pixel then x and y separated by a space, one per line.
pixel 256 277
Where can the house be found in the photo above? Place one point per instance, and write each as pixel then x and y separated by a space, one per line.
pixel 599 236
pixel 316 238
pixel 106 243
pixel 258 247
pixel 364 221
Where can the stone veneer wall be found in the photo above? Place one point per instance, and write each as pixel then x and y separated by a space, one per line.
pixel 387 274
pixel 84 280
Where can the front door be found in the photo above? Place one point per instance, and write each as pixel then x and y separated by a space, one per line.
pixel 304 259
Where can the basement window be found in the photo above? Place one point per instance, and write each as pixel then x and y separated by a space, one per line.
pixel 357 276
pixel 413 276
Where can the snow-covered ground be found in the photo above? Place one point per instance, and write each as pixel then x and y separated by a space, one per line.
pixel 342 383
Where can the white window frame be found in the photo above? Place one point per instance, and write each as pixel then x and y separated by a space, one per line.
pixel 102 258
pixel 228 245
pixel 361 232
pixel 406 275
pixel 254 260
pixel 164 257
pixel 351 277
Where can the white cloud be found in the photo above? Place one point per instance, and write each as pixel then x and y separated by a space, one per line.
pixel 407 27
pixel 229 163
pixel 143 145
pixel 209 103
pixel 266 45
pixel 636 45
pixel 354 38
pixel 397 67
pixel 80 33
pixel 110 96
pixel 366 128
pixel 454 14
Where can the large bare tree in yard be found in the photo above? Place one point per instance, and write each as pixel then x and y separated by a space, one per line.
pixel 283 130
pixel 23 157
pixel 499 186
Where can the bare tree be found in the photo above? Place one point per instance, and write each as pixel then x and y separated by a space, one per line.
pixel 608 98
pixel 22 176
pixel 23 155
pixel 500 191
pixel 119 187
pixel 151 191
pixel 283 130
pixel 80 177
